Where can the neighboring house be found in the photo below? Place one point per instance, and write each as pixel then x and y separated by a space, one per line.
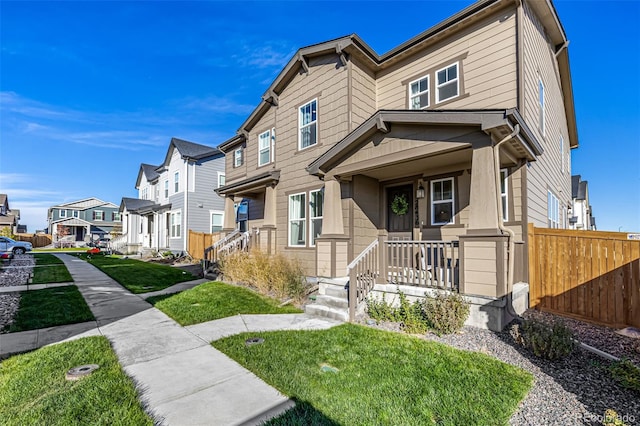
pixel 174 197
pixel 461 134
pixel 84 220
pixel 9 219
pixel 581 212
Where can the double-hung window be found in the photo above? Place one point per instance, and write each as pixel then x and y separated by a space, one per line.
pixel 98 215
pixel 503 194
pixel 145 193
pixel 237 157
pixel 553 210
pixel 308 124
pixel 297 220
pixel 541 121
pixel 221 179
pixel 442 201
pixel 419 93
pixel 447 83
pixel 63 213
pixel 264 148
pixel 217 221
pixel 76 213
pixel 176 182
pixel 166 188
pixel 175 223
pixel 316 205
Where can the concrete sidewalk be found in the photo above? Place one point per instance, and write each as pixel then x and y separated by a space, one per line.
pixel 182 379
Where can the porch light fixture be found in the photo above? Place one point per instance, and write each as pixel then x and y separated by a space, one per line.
pixel 420 192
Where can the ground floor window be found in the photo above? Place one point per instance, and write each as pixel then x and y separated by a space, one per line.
pixel 217 221
pixel 553 210
pixel 316 204
pixel 176 222
pixel 297 220
pixel 442 201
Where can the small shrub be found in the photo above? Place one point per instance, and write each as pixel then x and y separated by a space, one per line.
pixel 380 310
pixel 627 374
pixel 611 418
pixel 445 313
pixel 411 316
pixel 550 342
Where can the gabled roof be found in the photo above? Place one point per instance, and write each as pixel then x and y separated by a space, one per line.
pixel 190 151
pixel 149 171
pixel 86 203
pixel 3 199
pixel 579 188
pixel 354 45
pixel 71 221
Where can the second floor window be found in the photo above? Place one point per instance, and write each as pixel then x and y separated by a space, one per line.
pixel 98 215
pixel 264 148
pixel 115 216
pixel 237 157
pixel 447 86
pixel 63 213
pixel 308 125
pixel 166 189
pixel 221 179
pixel 145 193
pixel 176 182
pixel 419 93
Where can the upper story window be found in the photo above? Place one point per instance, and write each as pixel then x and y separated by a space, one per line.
pixel 237 157
pixel 221 179
pixel 447 83
pixel 63 213
pixel 76 213
pixel 503 194
pixel 541 121
pixel 264 148
pixel 176 182
pixel 98 215
pixel 166 188
pixel 115 216
pixel 553 210
pixel 308 125
pixel 419 93
pixel 145 193
pixel 442 201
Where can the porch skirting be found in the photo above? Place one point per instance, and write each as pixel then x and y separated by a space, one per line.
pixel 485 312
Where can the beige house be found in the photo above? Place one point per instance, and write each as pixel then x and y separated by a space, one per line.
pixel 420 167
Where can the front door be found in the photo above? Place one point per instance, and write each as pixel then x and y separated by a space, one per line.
pixel 400 212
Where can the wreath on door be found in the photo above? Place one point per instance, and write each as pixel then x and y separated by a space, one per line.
pixel 400 205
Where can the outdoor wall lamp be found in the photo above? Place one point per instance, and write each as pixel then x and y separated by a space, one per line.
pixel 420 191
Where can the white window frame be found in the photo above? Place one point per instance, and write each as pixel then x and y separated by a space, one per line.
pixel 504 174
pixel 117 217
pixel 76 213
pixel 216 212
pixel 433 203
pixel 221 179
pixel 418 94
pixel 264 146
pixel 101 218
pixel 175 226
pixel 237 157
pixel 166 189
pixel 145 193
pixel 63 212
pixel 176 182
pixel 302 126
pixel 312 239
pixel 553 210
pixel 440 85
pixel 302 219
pixel 541 106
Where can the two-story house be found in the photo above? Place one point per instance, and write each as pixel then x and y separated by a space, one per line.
pixel 9 219
pixel 82 221
pixel 581 212
pixel 174 197
pixel 435 155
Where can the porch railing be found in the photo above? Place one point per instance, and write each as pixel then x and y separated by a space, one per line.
pixel 118 243
pixel 433 264
pixel 232 242
pixel 363 273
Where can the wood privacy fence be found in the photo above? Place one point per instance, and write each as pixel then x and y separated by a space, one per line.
pixel 36 240
pixel 198 241
pixel 589 275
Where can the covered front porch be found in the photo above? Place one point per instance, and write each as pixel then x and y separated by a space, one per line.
pixel 434 202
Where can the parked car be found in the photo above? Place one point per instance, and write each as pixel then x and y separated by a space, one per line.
pixel 16 247
pixel 103 242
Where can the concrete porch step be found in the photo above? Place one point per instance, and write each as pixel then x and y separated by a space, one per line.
pixel 340 302
pixel 327 312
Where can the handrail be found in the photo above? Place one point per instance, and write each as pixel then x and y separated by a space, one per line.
pixel 363 272
pixel 359 257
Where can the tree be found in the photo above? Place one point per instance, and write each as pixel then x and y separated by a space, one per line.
pixel 63 231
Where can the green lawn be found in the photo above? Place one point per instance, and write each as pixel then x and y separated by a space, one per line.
pixel 50 307
pixel 137 276
pixel 33 389
pixel 49 269
pixel 61 250
pixel 215 300
pixel 381 378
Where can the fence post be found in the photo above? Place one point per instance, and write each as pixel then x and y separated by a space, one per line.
pixel 533 279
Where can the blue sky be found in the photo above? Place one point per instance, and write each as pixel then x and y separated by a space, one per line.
pixel 89 90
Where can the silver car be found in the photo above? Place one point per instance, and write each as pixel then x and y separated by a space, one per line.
pixel 8 245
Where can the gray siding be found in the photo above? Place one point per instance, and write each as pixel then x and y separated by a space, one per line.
pixel 204 199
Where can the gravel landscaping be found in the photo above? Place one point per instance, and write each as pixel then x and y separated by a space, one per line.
pixel 15 272
pixel 575 390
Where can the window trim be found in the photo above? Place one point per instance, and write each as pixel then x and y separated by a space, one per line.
pixel 217 212
pixel 551 208
pixel 300 125
pixel 166 189
pixel 303 219
pixel 311 218
pixel 62 213
pixel 237 157
pixel 438 85
pixel 504 175
pixel 75 213
pixel 172 226
pixel 267 148
pixel 224 177
pixel 428 92
pixel 176 182
pixel 95 215
pixel 432 203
